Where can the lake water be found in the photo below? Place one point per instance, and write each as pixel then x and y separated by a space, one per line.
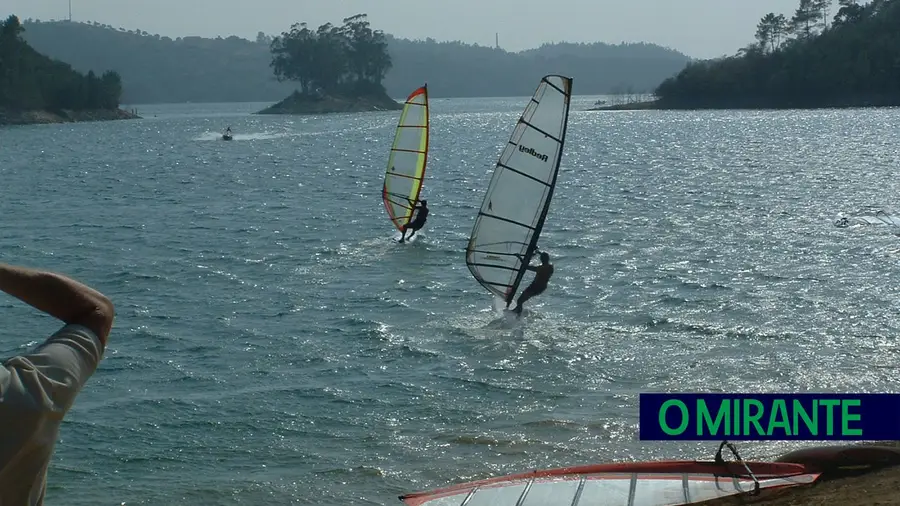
pixel 274 346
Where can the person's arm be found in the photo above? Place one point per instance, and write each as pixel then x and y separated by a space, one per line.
pixel 50 377
pixel 60 297
pixel 529 266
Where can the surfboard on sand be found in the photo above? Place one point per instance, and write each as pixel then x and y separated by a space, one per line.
pixel 660 483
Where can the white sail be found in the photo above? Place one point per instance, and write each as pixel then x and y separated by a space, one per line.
pixel 518 197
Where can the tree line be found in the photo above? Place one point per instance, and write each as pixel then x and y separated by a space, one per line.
pixel 347 58
pixel 812 59
pixel 160 69
pixel 32 81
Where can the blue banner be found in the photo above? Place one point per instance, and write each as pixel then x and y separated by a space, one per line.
pixel 749 417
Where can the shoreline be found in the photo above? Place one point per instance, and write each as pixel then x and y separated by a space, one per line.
pixel 654 105
pixel 631 106
pixel 876 487
pixel 46 117
pixel 845 479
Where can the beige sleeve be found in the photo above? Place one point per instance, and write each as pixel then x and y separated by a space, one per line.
pixel 49 377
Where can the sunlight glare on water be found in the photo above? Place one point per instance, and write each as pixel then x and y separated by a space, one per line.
pixel 273 345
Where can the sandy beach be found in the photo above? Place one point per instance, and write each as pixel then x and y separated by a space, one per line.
pixel 880 487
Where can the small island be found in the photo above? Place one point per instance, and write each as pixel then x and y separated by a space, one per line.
pixel 798 63
pixel 338 68
pixel 38 89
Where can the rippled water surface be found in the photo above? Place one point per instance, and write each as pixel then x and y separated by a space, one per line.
pixel 274 346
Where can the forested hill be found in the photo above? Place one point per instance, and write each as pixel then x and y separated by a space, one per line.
pixel 157 69
pixel 802 60
pixel 30 81
pixel 455 69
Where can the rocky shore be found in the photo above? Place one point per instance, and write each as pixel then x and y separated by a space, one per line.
pixel 8 117
pixel 298 103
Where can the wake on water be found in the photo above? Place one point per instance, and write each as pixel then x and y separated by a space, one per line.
pixel 217 136
pixel 499 305
pixel 507 318
pixel 409 240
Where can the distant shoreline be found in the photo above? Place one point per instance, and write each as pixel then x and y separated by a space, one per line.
pixel 632 106
pixel 43 117
pixel 654 105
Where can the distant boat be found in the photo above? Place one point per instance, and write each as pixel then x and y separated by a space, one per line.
pixel 515 206
pixel 227 136
pixel 406 164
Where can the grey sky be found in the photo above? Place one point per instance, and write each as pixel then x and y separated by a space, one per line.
pixel 699 28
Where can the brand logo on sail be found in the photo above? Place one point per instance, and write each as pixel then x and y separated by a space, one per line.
pixel 532 152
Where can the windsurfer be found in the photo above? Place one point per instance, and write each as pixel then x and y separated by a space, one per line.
pixel 418 222
pixel 542 275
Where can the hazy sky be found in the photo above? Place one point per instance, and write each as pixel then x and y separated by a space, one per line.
pixel 699 28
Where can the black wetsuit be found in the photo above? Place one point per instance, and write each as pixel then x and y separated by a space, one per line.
pixel 541 279
pixel 419 221
pixel 415 224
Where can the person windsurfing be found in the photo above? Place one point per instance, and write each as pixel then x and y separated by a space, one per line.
pixel 418 222
pixel 542 275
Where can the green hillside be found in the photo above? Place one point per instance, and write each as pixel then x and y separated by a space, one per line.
pixel 32 81
pixel 157 69
pixel 802 61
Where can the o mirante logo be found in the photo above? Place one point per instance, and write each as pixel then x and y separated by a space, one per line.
pixel 743 416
